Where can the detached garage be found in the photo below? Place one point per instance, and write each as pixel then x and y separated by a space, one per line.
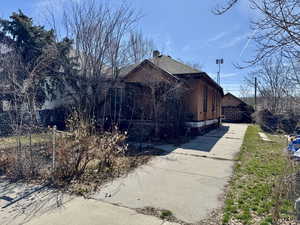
pixel 236 110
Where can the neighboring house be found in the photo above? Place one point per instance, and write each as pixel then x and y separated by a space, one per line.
pixel 235 110
pixel 202 95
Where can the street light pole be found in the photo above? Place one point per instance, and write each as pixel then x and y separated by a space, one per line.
pixel 219 62
pixel 255 93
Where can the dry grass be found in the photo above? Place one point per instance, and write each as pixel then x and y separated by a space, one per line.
pixel 12 141
pixel 84 159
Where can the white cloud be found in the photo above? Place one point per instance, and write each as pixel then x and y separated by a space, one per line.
pixel 247 43
pixel 218 37
pixel 235 40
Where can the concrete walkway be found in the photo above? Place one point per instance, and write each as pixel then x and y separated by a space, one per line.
pixel 49 207
pixel 188 181
pixel 264 137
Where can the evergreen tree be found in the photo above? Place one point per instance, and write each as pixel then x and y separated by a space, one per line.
pixel 42 61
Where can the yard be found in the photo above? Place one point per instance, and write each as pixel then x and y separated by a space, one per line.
pixel 81 163
pixel 259 192
pixel 11 142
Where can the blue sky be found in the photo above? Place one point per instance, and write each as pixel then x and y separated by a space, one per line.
pixel 186 30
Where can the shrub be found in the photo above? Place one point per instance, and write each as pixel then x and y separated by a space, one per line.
pixel 267 121
pixel 287 123
pixel 83 149
pixel 284 123
pixel 5 162
pixel 165 214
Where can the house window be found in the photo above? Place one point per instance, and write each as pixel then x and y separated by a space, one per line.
pixel 205 94
pixel 115 99
pixel 213 108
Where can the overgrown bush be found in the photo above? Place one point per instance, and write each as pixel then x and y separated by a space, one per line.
pixel 4 163
pixel 267 121
pixel 83 150
pixel 275 123
pixel 287 123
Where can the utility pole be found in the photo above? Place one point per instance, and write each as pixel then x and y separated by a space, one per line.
pixel 219 62
pixel 255 93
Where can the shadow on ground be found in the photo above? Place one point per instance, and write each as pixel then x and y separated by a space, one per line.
pixel 203 143
pixel 20 202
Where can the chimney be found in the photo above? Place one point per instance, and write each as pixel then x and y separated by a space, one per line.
pixel 156 53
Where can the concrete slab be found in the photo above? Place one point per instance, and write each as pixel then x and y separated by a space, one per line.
pixel 187 186
pixel 82 211
pixel 181 181
pixel 264 137
pixel 33 205
pixel 219 143
pixel 49 207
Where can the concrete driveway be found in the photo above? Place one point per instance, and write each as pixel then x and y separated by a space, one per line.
pixel 188 181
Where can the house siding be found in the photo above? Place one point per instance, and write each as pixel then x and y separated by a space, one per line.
pixel 195 101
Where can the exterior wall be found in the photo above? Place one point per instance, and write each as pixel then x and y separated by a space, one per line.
pixel 232 114
pixel 195 101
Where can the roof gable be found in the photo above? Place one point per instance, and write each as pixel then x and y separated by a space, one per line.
pixel 143 66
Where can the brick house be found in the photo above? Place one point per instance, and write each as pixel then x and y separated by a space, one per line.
pixel 201 94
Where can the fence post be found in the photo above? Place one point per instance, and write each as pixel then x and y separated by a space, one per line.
pixel 30 152
pixel 53 147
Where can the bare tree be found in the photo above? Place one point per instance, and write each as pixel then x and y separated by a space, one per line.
pixel 276 29
pixel 139 47
pixel 246 93
pixel 24 90
pixel 221 9
pixel 104 42
pixel 275 89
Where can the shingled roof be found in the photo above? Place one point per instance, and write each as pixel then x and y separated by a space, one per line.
pixel 166 63
pixel 173 66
